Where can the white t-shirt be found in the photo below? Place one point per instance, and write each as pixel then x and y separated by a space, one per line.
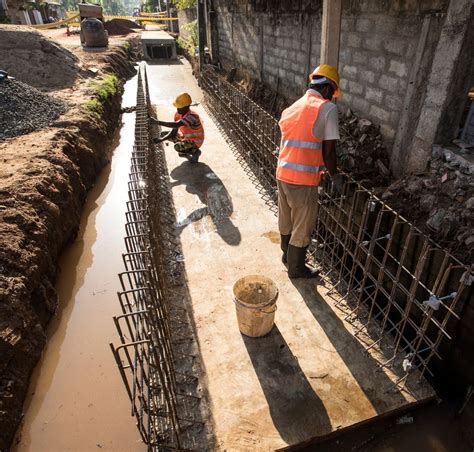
pixel 326 126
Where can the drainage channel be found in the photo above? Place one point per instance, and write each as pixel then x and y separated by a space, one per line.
pixel 76 400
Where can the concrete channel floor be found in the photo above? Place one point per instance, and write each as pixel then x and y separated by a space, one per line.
pixel 309 377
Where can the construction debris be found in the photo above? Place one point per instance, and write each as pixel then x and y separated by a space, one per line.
pixel 24 109
pixel 440 202
pixel 361 151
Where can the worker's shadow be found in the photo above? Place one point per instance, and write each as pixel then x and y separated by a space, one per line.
pixel 200 180
pixel 296 410
pixel 362 366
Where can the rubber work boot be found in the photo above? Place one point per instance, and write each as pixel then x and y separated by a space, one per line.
pixel 297 263
pixel 284 242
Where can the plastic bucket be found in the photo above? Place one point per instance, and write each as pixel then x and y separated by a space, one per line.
pixel 255 299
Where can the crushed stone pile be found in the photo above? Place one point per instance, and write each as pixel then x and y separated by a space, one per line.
pixel 117 27
pixel 32 58
pixel 440 202
pixel 24 109
pixel 361 151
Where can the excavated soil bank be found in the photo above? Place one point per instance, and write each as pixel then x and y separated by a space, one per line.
pixel 44 179
pixel 34 59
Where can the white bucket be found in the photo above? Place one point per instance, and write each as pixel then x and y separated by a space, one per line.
pixel 255 299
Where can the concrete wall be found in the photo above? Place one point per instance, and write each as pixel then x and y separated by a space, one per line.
pixel 379 41
pixel 268 45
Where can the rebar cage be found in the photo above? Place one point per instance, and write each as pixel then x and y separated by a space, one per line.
pixel 156 352
pixel 401 291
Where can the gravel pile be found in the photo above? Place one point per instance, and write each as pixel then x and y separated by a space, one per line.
pixel 361 151
pixel 24 109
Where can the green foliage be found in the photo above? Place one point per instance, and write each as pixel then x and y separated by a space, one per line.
pixel 107 87
pixel 152 6
pixel 185 44
pixel 183 4
pixel 189 43
pixel 192 29
pixel 95 108
pixel 4 19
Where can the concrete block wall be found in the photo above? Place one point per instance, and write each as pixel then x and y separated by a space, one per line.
pixel 285 55
pixel 184 18
pixel 379 41
pixel 375 60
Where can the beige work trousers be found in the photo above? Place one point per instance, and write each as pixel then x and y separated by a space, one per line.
pixel 297 212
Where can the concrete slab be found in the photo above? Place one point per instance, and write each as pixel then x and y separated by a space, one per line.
pixel 157 44
pixel 156 36
pixel 310 377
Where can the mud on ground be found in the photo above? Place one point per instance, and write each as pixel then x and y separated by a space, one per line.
pixel 44 179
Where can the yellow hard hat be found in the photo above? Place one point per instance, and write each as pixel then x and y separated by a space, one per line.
pixel 330 72
pixel 182 100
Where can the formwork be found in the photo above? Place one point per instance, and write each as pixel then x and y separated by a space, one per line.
pixel 400 292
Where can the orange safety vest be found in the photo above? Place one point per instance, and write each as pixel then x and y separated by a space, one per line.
pixel 301 153
pixel 193 133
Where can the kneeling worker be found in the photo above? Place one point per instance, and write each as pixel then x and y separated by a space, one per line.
pixel 187 131
pixel 309 130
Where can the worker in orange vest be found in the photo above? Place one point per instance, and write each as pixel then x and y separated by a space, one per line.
pixel 309 131
pixel 187 130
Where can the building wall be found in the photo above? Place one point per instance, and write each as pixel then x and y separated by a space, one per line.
pixel 280 44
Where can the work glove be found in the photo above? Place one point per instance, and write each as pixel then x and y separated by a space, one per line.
pixel 337 185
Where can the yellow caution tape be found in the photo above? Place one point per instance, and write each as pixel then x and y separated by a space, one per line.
pixel 142 18
pixel 56 24
pixel 72 20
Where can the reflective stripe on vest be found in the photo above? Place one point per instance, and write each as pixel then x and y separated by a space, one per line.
pixel 298 167
pixel 189 133
pixel 300 161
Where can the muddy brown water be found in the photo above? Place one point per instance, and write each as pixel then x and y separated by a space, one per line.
pixel 76 399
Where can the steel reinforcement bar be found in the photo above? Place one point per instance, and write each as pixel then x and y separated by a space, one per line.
pixel 403 293
pixel 153 328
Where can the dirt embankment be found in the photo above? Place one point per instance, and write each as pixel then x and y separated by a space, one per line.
pixel 44 179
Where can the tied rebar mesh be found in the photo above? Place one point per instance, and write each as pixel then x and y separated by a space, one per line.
pixel 402 292
pixel 155 356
